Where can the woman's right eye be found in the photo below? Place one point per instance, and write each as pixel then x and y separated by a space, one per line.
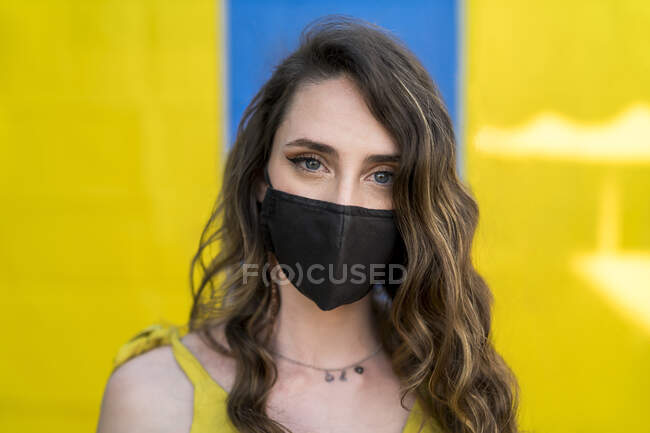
pixel 311 164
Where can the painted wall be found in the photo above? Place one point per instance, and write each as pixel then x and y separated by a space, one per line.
pixel 110 149
pixel 557 99
pixel 115 116
pixel 261 33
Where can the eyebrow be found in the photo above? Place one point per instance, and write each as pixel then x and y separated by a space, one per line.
pixel 329 150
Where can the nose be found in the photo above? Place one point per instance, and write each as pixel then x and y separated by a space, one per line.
pixel 344 192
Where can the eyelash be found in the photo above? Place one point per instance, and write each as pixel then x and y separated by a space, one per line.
pixel 301 158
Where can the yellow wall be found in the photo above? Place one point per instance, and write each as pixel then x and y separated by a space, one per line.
pixel 110 154
pixel 110 143
pixel 558 153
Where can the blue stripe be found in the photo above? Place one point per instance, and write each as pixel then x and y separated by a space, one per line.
pixel 261 33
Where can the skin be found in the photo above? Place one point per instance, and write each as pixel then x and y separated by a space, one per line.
pixel 152 387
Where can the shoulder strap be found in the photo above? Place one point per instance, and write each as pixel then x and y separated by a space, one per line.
pixel 195 372
pixel 165 333
pixel 150 337
pixel 417 423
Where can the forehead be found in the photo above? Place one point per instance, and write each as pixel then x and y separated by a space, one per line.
pixel 334 112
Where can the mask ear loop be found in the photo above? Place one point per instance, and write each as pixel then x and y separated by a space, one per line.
pixel 275 295
pixel 266 176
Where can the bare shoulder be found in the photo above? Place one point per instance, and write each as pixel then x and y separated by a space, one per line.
pixel 148 393
pixel 220 367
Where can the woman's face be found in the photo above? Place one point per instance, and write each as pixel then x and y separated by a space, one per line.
pixel 330 147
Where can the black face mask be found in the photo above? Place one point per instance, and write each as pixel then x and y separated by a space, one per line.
pixel 327 249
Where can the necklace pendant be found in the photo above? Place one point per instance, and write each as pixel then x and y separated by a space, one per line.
pixel 358 369
pixel 328 377
pixel 342 377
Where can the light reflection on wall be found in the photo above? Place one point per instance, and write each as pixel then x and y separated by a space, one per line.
pixel 621 276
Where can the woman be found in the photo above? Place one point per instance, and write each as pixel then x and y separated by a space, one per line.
pixel 346 156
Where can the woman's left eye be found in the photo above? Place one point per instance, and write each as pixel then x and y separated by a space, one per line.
pixel 383 177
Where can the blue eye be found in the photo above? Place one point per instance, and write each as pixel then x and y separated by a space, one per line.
pixel 383 177
pixel 312 163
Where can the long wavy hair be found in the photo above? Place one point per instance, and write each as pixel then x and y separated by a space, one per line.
pixel 436 325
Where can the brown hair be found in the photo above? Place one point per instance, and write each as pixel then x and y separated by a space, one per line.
pixel 436 325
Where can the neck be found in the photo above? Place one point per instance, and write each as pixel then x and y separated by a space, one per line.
pixel 326 339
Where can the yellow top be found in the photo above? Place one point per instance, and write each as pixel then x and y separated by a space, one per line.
pixel 207 392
